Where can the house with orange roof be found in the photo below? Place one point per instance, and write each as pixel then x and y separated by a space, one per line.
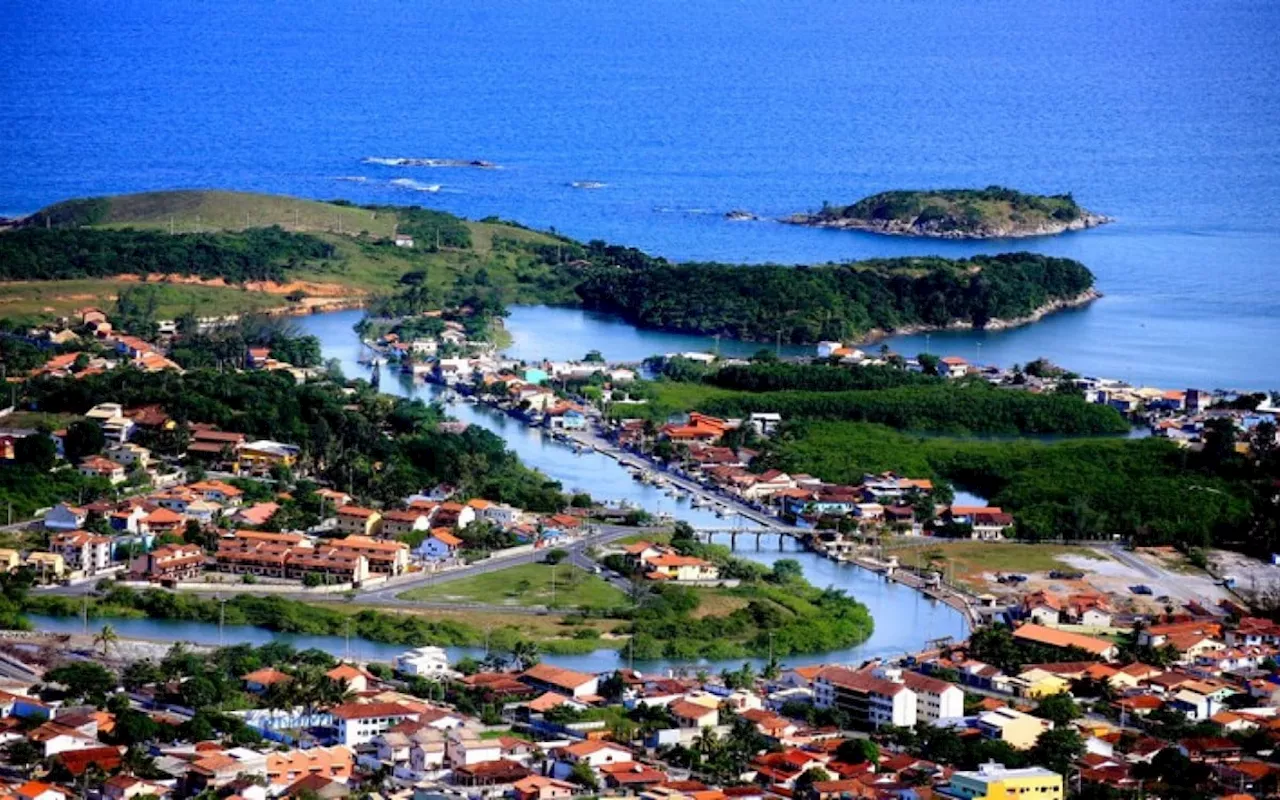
pixel 549 678
pixel 353 519
pixel 699 428
pixel 98 467
pixel 694 715
pixel 385 558
pixel 351 676
pixel 336 763
pixel 170 563
pixel 441 544
pixel 39 790
pixel 401 522
pixel 671 566
pixel 1039 634
pixel 358 723
pixel 540 787
pixel 82 551
pixel 261 680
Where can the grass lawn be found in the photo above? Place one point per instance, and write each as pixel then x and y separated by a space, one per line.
pixel 527 585
pixel 541 628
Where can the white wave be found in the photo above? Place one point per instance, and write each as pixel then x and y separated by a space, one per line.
pixel 409 183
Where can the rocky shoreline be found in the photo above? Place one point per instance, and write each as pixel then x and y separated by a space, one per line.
pixel 1054 306
pixel 895 227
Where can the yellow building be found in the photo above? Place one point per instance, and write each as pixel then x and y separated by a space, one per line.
pixel 264 454
pixel 48 566
pixel 1038 683
pixel 994 782
pixel 1012 726
pixel 9 560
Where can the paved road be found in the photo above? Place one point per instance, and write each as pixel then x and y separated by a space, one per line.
pixel 597 536
pixel 600 444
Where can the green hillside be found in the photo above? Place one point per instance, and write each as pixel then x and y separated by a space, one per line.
pixel 199 210
pixel 328 252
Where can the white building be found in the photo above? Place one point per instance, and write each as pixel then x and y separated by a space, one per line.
pixel 867 699
pixel 426 662
pixel 936 699
pixel 83 551
pixel 359 723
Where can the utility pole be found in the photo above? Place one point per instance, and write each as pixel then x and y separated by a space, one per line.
pixel 777 350
pixel 222 617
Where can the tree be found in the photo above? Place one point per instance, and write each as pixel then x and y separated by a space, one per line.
pixel 1059 709
pixel 84 438
pixel 555 556
pixel 786 570
pixel 139 674
pixel 858 751
pixel 1057 749
pixel 584 776
pixel 804 783
pixel 593 357
pixel 37 450
pixel 106 638
pixel 23 753
pixel 83 679
pixel 928 363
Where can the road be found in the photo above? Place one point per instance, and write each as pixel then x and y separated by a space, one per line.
pixel 596 536
pixel 625 457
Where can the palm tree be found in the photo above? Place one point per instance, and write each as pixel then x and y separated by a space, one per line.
pixel 525 654
pixel 107 638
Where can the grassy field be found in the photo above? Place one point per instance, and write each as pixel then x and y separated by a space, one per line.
pixel 36 300
pixel 542 628
pixel 205 210
pixel 527 585
pixel 366 261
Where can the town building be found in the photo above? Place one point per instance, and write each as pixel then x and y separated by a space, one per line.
pixel 867 699
pixel 82 551
pixel 994 782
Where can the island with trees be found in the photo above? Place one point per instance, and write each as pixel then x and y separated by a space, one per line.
pixel 991 213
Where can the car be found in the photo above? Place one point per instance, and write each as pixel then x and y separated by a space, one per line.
pixel 1141 589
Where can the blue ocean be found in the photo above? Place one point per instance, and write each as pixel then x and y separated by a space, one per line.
pixel 1165 116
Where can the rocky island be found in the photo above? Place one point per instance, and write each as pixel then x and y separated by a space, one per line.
pixel 991 213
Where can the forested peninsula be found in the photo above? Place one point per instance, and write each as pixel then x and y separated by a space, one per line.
pixel 802 305
pixel 207 248
pixel 991 213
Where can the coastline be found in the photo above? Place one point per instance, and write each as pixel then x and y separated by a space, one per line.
pixel 1078 301
pixel 910 229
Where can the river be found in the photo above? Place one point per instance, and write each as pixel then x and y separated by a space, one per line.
pixel 904 619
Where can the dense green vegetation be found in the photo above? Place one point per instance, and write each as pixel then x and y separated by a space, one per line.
pixel 808 304
pixel 783 377
pixel 253 255
pixel 782 611
pixel 976 408
pixel 1146 489
pixel 939 212
pixel 429 229
pixel 343 438
pixel 885 395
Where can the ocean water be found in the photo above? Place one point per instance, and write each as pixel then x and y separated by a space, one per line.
pixel 1165 116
